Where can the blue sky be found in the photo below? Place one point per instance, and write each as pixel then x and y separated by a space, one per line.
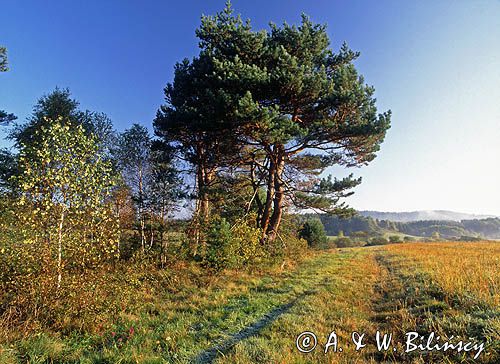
pixel 435 64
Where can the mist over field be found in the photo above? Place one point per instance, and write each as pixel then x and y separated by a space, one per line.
pixel 436 215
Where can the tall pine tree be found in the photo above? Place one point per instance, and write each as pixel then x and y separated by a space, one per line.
pixel 286 107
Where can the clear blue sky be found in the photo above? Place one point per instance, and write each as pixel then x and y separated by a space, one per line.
pixel 436 64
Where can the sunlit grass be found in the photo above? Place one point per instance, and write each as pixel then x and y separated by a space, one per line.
pixel 178 314
pixel 465 269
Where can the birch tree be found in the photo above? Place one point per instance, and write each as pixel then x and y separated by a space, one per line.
pixel 65 186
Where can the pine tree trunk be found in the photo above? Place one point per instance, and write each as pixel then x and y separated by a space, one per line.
pixel 255 186
pixel 151 231
pixel 266 212
pixel 203 205
pixel 202 209
pixel 161 233
pixel 279 194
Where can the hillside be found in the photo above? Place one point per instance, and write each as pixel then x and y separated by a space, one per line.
pixel 488 228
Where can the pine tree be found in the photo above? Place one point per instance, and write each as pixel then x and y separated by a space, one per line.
pixel 284 106
pixel 4 116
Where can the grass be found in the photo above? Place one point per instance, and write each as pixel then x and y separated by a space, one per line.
pixel 464 269
pixel 242 317
pixel 415 300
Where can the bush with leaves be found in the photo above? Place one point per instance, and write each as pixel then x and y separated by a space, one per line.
pixel 288 246
pixel 221 248
pixel 247 238
pixel 378 240
pixel 313 232
pixel 66 222
pixel 395 239
pixel 345 242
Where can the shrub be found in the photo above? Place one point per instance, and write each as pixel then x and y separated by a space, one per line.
pixel 345 242
pixel 379 240
pixel 247 240
pixel 240 245
pixel 222 249
pixel 288 245
pixel 294 247
pixel 395 239
pixel 313 232
pixel 469 238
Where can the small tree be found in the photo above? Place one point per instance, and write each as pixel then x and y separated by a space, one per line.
pixel 4 117
pixel 378 240
pixel 221 247
pixel 313 232
pixel 59 106
pixel 164 190
pixel 64 187
pixel 133 158
pixel 436 235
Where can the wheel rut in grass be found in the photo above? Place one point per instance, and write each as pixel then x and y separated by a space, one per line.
pixel 305 282
pixel 208 356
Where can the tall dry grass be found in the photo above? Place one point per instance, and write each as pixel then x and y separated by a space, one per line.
pixel 466 269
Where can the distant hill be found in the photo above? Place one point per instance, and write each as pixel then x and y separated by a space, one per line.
pixel 488 228
pixel 428 215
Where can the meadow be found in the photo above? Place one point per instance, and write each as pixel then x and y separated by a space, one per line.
pixel 181 315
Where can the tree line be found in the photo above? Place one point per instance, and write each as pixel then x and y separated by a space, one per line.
pixel 368 227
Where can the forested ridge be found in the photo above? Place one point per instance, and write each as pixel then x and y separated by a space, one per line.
pixel 479 228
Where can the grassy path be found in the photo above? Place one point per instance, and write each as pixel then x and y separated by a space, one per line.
pixel 243 318
pixel 377 290
pixel 340 302
pixel 240 318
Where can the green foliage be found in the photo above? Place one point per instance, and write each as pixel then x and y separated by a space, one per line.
pixel 235 246
pixel 379 240
pixel 64 181
pixel 4 116
pixel 66 225
pixel 221 248
pixel 289 245
pixel 149 176
pixel 345 242
pixel 313 232
pixel 275 107
pixel 395 239
pixel 8 168
pixel 469 238
pixel 485 228
pixel 132 157
pixel 59 107
pixel 247 238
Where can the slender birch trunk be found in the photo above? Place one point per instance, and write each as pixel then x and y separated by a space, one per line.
pixel 59 250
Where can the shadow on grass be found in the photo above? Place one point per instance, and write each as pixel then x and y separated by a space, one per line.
pixel 209 355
